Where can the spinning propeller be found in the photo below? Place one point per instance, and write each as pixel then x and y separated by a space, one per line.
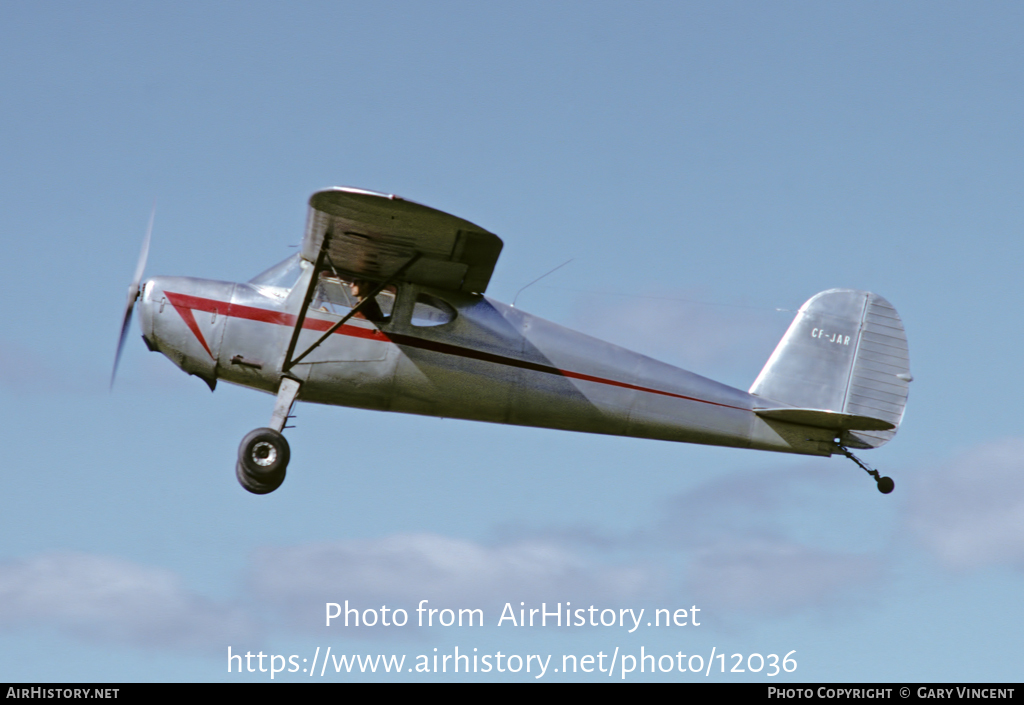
pixel 133 294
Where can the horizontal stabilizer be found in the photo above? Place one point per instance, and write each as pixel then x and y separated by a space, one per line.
pixel 823 418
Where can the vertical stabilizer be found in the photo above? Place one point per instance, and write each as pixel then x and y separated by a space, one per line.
pixel 844 353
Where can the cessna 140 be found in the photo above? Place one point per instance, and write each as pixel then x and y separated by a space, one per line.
pixel 383 308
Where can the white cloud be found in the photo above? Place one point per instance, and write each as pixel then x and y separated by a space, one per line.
pixel 775 575
pixel 731 540
pixel 746 546
pixel 970 512
pixel 112 599
pixel 401 570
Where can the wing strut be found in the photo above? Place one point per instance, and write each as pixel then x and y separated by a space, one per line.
pixel 306 300
pixel 289 363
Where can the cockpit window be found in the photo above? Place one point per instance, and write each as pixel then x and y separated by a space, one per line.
pixel 431 311
pixel 279 279
pixel 339 296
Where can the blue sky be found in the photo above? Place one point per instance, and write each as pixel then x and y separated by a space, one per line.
pixel 707 166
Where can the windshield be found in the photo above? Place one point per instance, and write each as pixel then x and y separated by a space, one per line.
pixel 279 279
pixel 339 296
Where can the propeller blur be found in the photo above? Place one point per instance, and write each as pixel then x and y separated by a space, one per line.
pixel 133 295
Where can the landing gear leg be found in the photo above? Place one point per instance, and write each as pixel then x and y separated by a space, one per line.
pixel 885 484
pixel 287 393
pixel 264 453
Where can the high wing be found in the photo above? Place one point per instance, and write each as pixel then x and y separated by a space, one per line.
pixel 372 235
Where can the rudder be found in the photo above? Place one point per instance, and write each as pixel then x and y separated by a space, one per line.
pixel 844 364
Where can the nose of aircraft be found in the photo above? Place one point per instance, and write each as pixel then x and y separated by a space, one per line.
pixel 183 318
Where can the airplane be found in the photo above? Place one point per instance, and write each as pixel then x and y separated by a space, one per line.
pixel 383 308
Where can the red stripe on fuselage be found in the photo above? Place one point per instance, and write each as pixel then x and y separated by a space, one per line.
pixel 185 311
pixel 251 313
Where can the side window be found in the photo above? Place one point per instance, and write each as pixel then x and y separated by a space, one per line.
pixel 431 311
pixel 340 296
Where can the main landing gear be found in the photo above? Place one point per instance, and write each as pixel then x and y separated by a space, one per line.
pixel 264 453
pixel 885 484
pixel 262 460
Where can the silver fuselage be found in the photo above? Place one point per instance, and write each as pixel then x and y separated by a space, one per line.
pixel 491 363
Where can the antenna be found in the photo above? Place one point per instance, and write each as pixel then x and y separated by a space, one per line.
pixel 539 278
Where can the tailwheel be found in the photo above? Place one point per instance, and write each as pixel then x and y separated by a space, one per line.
pixel 885 484
pixel 262 460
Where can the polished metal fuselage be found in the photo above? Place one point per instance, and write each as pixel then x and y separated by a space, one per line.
pixel 491 363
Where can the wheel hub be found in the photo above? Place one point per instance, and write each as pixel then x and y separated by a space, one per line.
pixel 264 454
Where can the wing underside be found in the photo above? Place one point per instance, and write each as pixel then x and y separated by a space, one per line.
pixel 372 235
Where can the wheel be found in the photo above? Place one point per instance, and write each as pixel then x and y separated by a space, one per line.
pixel 264 452
pixel 886 485
pixel 263 459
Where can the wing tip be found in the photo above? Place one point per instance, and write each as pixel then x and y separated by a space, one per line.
pixel 357 191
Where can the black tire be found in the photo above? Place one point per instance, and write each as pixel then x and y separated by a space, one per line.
pixel 886 485
pixel 263 459
pixel 255 485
